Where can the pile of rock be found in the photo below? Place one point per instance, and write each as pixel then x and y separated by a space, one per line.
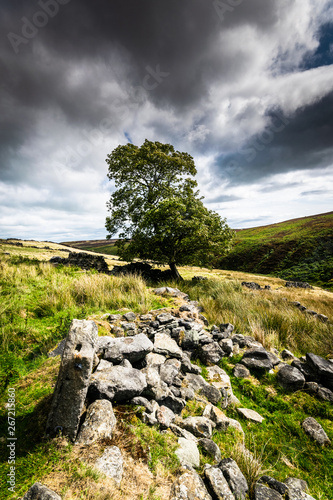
pixel 298 284
pixel 255 286
pixel 143 269
pixel 82 260
pixel 302 308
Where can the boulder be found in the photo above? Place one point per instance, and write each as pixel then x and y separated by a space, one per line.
pixel 199 385
pixel 290 378
pixel 217 416
pixel 180 432
pixel 315 431
pixel 169 370
pixel 132 348
pixel 156 388
pixel 40 492
pixel 258 359
pixel 188 453
pixel 325 394
pixel 153 359
pixel 98 424
pixel 166 346
pixel 226 346
pixel 240 371
pixel 297 489
pixel 235 478
pixel 211 449
pixel 261 492
pixel 141 401
pixel 287 355
pixel 188 367
pixel 274 484
pixel 210 353
pixel 111 463
pixel 73 379
pixel 118 383
pixel 250 415
pixel 218 483
pixel 201 427
pixel 221 381
pixel 130 316
pixel 323 368
pixel 189 486
pixel 189 339
pixel 165 417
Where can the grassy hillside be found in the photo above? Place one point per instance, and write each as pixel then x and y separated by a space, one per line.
pixel 38 302
pixel 298 249
pixel 106 247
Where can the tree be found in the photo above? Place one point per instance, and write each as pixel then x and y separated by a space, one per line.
pixel 159 213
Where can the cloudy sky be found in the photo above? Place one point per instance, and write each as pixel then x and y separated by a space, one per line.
pixel 244 86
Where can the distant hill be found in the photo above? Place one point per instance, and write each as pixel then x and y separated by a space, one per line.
pixel 98 246
pixel 297 249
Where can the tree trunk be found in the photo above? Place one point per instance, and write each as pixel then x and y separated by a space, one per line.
pixel 175 273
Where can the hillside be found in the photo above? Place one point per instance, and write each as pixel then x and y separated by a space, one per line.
pixel 298 250
pixel 106 247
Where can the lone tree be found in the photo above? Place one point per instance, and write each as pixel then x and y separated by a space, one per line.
pixel 160 215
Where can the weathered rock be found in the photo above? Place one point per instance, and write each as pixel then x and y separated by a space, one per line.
pixel 218 483
pixel 153 359
pixel 297 489
pixel 261 492
pixel 257 359
pixel 58 350
pixel 187 393
pixel 189 486
pixel 274 484
pixel 217 416
pixel 180 432
pixel 250 415
pixel 118 383
pixel 40 492
pixel 156 388
pixel 132 348
pixel 240 371
pixel 188 367
pixel 290 378
pixel 210 353
pixel 165 417
pixel 226 346
pixel 169 370
pixel 172 292
pixel 173 402
pixel 325 394
pixel 323 368
pixel 130 316
pixel 236 425
pixel 221 381
pixel 199 384
pixel 306 369
pixel 103 365
pixel 189 340
pixel 287 355
pixel 166 346
pixel 226 329
pixel 211 448
pixel 235 478
pixel 111 463
pixel 86 261
pixel 188 453
pixel 298 284
pixel 315 431
pixel 98 424
pixel 165 318
pixel 201 427
pixel 73 379
pixel 141 401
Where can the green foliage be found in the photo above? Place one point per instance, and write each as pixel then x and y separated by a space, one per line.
pixel 155 206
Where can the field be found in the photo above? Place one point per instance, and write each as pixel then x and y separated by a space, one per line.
pixel 38 302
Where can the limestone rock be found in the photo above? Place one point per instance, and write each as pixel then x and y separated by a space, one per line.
pixel 73 379
pixel 261 492
pixel 274 484
pixel 141 401
pixel 250 415
pixel 153 359
pixel 221 380
pixel 257 359
pixel 165 417
pixel 323 368
pixel 201 427
pixel 99 422
pixel 180 432
pixel 130 316
pixel 169 370
pixel 217 416
pixel 218 483
pixel 199 384
pixel 166 346
pixel 235 478
pixel 315 431
pixel 118 383
pixel 287 355
pixel 227 346
pixel 210 353
pixel 188 453
pixel 240 371
pixel 211 448
pixel 40 492
pixel 132 348
pixel 189 486
pixel 111 463
pixel 290 378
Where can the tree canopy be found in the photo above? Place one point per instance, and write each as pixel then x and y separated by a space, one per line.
pixel 157 210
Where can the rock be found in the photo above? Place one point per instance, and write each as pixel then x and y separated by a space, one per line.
pixel 132 348
pixel 298 284
pixel 129 328
pixel 274 484
pixel 130 316
pixel 236 425
pixel 188 367
pixel 98 424
pixel 189 340
pixel 173 402
pixel 217 416
pixel 211 448
pixel 290 378
pixel 257 359
pixel 210 353
pixel 235 478
pixel 188 453
pixel 226 329
pixel 226 346
pixel 111 463
pixel 73 379
pixel 221 380
pixel 40 492
pixel 323 368
pixel 261 492
pixel 103 365
pixel 250 415
pixel 173 292
pixel 306 369
pixel 218 483
pixel 86 261
pixel 287 355
pixel 180 432
pixel 165 417
pixel 166 346
pixel 315 431
pixel 169 370
pixel 199 384
pixel 240 371
pixel 297 489
pixel 189 486
pixel 325 394
pixel 294 482
pixel 201 427
pixel 141 401
pixel 322 318
pixel 165 318
pixel 118 383
pixel 153 359
pixel 58 350
pixel 156 388
pixel 187 393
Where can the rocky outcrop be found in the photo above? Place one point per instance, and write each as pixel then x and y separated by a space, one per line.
pixel 40 492
pixel 315 431
pixel 189 486
pixel 98 424
pixel 83 260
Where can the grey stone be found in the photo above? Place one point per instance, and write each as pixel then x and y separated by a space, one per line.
pixel 165 318
pixel 250 415
pixel 297 489
pixel 73 379
pixel 221 381
pixel 322 318
pixel 169 370
pixel 189 340
pixel 236 425
pixel 128 327
pixel 187 393
pixel 226 329
pixel 199 384
pixel 153 359
pixel 287 355
pixel 188 367
pixel 103 365
pixel 146 317
pixel 132 348
pixel 325 394
pixel 218 483
pixel 98 424
pixel 261 492
pixel 165 417
pixel 201 427
pixel 315 431
pixel 115 317
pixel 226 346
pixel 188 453
pixel 130 316
pixel 119 383
pixel 240 371
pixel 141 401
pixel 180 432
pixel 174 403
pixel 290 378
pixel 210 353
pixel 257 359
pixel 274 484
pixel 235 478
pixel 40 492
pixel 306 369
pixel 167 346
pixel 217 416
pixel 211 448
pixel 111 463
pixel 156 388
pixel 323 368
pixel 189 486
pixel 58 350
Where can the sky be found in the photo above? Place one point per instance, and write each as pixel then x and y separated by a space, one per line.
pixel 244 86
